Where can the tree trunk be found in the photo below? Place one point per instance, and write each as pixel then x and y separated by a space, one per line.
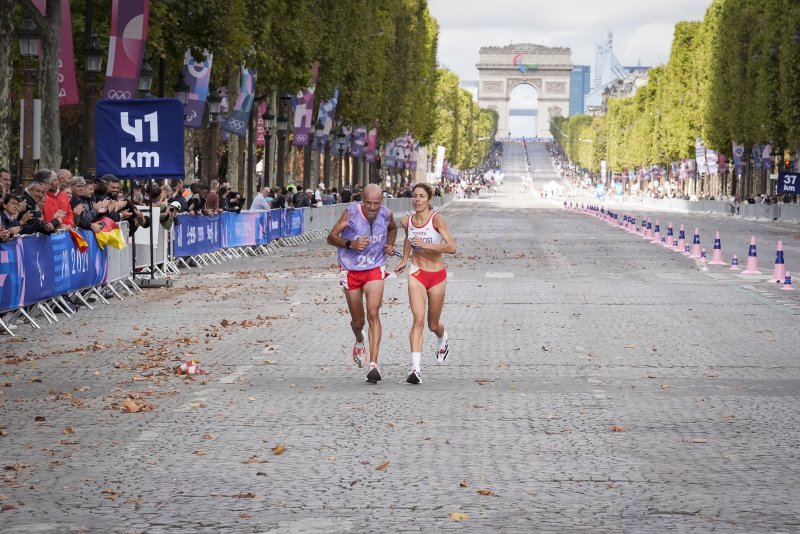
pixel 234 79
pixel 188 153
pixel 50 25
pixel 6 71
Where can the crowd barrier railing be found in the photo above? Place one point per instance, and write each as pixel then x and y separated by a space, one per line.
pixel 39 272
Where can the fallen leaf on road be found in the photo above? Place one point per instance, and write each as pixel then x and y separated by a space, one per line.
pixel 382 466
pixel 713 376
pixel 209 436
pixel 486 492
pixel 630 346
pixel 353 483
pixel 39 418
pixel 549 416
pixel 111 492
pixel 69 430
pixel 245 516
pixel 463 484
pixel 67 487
pixel 728 416
pixel 447 441
pixel 245 496
pixel 130 407
pixel 392 425
pixel 319 387
pixel 501 365
pixel 651 376
pixel 224 323
pixel 427 422
pixel 456 515
pixel 256 462
pixel 618 429
pixel 65 442
pixel 279 449
pixel 477 406
pixel 135 501
pixel 3 497
pixel 195 405
pixel 251 398
pixel 7 507
pixel 698 440
pixel 199 453
pixel 332 458
pixel 270 362
pixel 609 485
pixel 665 386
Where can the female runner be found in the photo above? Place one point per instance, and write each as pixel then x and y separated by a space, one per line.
pixel 428 235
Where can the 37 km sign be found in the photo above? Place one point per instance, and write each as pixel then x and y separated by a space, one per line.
pixel 789 182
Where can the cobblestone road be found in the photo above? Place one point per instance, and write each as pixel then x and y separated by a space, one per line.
pixel 561 326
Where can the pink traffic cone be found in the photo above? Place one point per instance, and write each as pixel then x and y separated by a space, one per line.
pixel 687 252
pixel 696 244
pixel 656 234
pixel 752 259
pixel 670 237
pixel 787 282
pixel 648 234
pixel 703 256
pixel 716 256
pixel 681 240
pixel 735 263
pixel 779 273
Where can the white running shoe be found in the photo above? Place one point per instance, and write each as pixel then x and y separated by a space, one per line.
pixel 441 354
pixel 360 352
pixel 413 377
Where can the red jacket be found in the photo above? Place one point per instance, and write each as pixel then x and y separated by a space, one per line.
pixel 51 206
pixel 63 204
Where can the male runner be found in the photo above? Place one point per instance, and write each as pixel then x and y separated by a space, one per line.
pixel 364 234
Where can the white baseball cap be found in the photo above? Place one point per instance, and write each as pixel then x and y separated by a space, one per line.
pixel 321 185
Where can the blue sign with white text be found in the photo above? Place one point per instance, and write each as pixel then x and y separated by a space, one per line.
pixel 789 182
pixel 140 139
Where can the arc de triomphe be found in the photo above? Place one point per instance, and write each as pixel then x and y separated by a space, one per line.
pixel 502 68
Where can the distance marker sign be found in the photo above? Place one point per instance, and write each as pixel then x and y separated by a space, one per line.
pixel 789 182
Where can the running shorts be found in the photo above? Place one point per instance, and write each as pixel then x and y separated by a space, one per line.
pixel 428 278
pixel 352 280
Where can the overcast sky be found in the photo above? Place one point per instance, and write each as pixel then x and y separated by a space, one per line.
pixel 642 28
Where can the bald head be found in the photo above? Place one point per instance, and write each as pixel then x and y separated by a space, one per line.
pixel 373 193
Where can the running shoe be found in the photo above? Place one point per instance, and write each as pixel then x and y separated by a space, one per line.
pixel 373 376
pixel 441 354
pixel 414 378
pixel 360 353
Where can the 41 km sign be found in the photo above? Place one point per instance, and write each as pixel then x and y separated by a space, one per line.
pixel 789 182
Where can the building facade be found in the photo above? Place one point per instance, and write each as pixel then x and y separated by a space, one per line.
pixel 579 87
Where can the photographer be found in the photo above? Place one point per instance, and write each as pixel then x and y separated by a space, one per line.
pixel 33 202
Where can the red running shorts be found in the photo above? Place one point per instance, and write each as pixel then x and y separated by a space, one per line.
pixel 428 278
pixel 352 280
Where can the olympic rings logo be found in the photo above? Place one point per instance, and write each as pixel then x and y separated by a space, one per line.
pixel 119 95
pixel 236 124
pixel 302 138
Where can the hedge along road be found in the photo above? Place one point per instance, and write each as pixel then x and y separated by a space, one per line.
pixel 562 328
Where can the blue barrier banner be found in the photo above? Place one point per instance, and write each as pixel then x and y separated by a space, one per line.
pixel 37 268
pixel 197 234
pixel 262 235
pixel 295 222
pixel 274 220
pixel 238 229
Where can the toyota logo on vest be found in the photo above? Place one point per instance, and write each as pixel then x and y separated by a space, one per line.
pixel 139 159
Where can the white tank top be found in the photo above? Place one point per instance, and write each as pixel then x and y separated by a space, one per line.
pixel 427 232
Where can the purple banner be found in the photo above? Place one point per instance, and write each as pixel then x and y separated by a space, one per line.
pixel 738 158
pixel 712 161
pixel 766 158
pixel 236 122
pixel 359 138
pixel 129 21
pixel 327 111
pixel 413 157
pixel 303 107
pixel 372 143
pixel 197 74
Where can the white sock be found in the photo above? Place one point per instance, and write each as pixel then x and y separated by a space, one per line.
pixel 443 341
pixel 415 357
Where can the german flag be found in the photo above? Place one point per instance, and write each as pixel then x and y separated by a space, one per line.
pixel 80 242
pixel 110 235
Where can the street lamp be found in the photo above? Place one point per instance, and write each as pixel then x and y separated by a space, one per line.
pixel 269 118
pixel 93 64
pixel 283 125
pixel 145 78
pixel 214 103
pixel 29 38
pixel 182 90
pixel 341 138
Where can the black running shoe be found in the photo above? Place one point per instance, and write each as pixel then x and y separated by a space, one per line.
pixel 373 376
pixel 414 378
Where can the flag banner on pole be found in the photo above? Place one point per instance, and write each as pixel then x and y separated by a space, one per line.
pixel 766 158
pixel 389 155
pixel 129 20
pixel 713 162
pixel 347 136
pixel 197 74
pixel 723 163
pixel 438 167
pixel 260 130
pixel 691 167
pixel 400 153
pixel 738 158
pixel 303 107
pixel 223 108
pixel 757 156
pixel 414 157
pixel 67 84
pixel 140 139
pixel 359 138
pixel 236 122
pixel 700 155
pixel 327 111
pixel 372 143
